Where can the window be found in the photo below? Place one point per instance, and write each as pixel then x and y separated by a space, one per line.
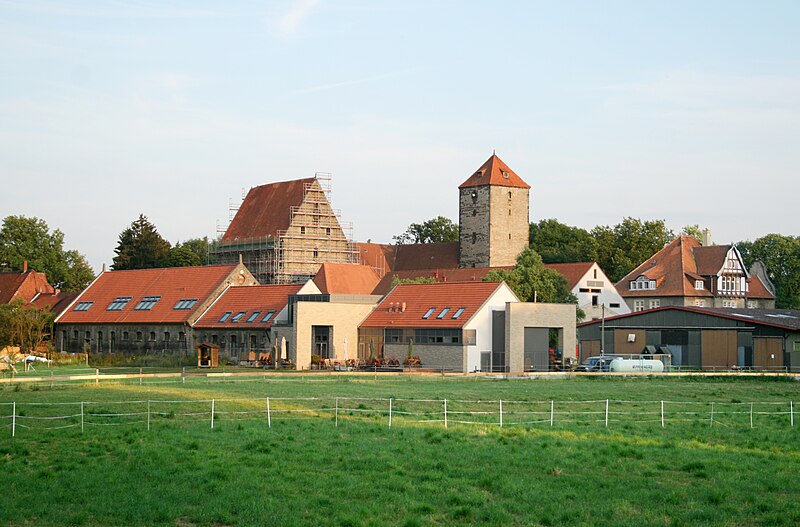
pixel 509 235
pixel 253 316
pixel 124 335
pixel 118 303
pixel 88 335
pixel 225 316
pixel 655 303
pixel 214 339
pixel 139 335
pixel 595 274
pixel 729 303
pixel 458 313
pixel 428 313
pixel 474 196
pixel 509 192
pixel 700 303
pixel 166 336
pixel 327 231
pixel 83 306
pixel 302 230
pixel 638 305
pixel 238 316
pixel 316 253
pixel 441 315
pixel 152 335
pixel 613 304
pixel 642 283
pixel 752 304
pixel 185 303
pixel 75 334
pixel 474 237
pixel 796 345
pixel 181 336
pixel 99 337
pixel 268 316
pixel 147 303
pixel 594 300
pixel 698 284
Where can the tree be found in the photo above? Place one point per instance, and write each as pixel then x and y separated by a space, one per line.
pixel 24 326
pixel 436 230
pixel 531 280
pixel 140 247
pixel 199 246
pixel 181 256
pixel 620 249
pixel 418 280
pixel 781 256
pixel 559 243
pixel 29 239
pixel 694 231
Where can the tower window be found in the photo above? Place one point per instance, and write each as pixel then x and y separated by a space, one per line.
pixel 509 195
pixel 509 235
pixel 509 212
pixel 474 196
pixel 474 237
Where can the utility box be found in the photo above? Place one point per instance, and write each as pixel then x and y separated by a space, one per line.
pixel 207 355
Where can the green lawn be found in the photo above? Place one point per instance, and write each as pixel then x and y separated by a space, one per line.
pixel 306 470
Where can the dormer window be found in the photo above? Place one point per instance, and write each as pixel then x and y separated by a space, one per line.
pixel 642 283
pixel 698 284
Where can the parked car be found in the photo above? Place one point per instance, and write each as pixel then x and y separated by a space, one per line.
pixel 600 363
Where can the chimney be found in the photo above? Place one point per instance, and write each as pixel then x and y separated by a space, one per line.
pixel 25 267
pixel 104 268
pixel 706 237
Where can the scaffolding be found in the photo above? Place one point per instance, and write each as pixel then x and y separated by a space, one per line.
pixel 315 235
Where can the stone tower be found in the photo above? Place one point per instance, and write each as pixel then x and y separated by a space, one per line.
pixel 493 216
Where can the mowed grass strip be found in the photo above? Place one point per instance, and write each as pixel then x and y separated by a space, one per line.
pixel 305 470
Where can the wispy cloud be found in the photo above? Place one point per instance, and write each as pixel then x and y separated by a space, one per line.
pixel 291 20
pixel 342 84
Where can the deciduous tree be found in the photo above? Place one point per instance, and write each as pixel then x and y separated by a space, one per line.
pixel 621 248
pixel 781 256
pixel 557 242
pixel 436 230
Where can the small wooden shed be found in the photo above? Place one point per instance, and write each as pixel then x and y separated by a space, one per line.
pixel 207 355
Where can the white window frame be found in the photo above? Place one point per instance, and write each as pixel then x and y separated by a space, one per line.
pixel 638 305
pixel 698 284
pixel 655 303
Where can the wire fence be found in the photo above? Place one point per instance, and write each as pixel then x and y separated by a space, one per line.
pixel 31 416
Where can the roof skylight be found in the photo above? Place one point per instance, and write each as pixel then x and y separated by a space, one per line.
pixel 253 316
pixel 147 303
pixel 459 312
pixel 428 313
pixel 441 315
pixel 268 316
pixel 225 316
pixel 238 316
pixel 118 303
pixel 83 306
pixel 185 303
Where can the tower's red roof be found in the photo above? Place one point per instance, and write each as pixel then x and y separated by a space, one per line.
pixel 494 172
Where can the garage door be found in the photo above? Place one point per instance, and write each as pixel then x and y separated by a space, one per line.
pixel 719 349
pixel 767 352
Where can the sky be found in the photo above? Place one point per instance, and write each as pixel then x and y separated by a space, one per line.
pixel 684 111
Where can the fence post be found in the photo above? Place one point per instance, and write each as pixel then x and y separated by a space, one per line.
pixel 148 415
pixel 445 413
pixel 51 379
pixel 606 413
pixel 501 413
pixel 751 415
pixel 791 412
pixel 551 411
pixel 662 414
pixel 337 411
pixel 13 419
pixel 81 416
pixel 712 414
pixel 269 415
pixel 183 375
pixel 96 376
pixel 212 414
pixel 140 376
pixel 390 412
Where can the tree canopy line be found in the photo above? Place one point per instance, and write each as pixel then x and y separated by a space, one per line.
pixel 618 249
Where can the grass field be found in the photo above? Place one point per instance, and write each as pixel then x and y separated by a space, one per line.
pixel 306 470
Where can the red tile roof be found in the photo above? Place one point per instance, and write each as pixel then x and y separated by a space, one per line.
pixel 346 279
pixel 466 274
pixel 710 259
pixel 494 172
pixel 573 272
pixel 56 302
pixel 267 210
pixel 419 298
pixel 171 284
pixel 672 268
pixel 409 257
pixel 23 285
pixel 252 299
pixel 757 289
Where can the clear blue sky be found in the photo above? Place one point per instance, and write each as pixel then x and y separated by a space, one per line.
pixel 683 111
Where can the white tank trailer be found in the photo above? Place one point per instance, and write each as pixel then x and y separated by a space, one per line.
pixel 636 366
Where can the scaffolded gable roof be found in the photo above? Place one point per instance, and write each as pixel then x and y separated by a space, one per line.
pixel 266 210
